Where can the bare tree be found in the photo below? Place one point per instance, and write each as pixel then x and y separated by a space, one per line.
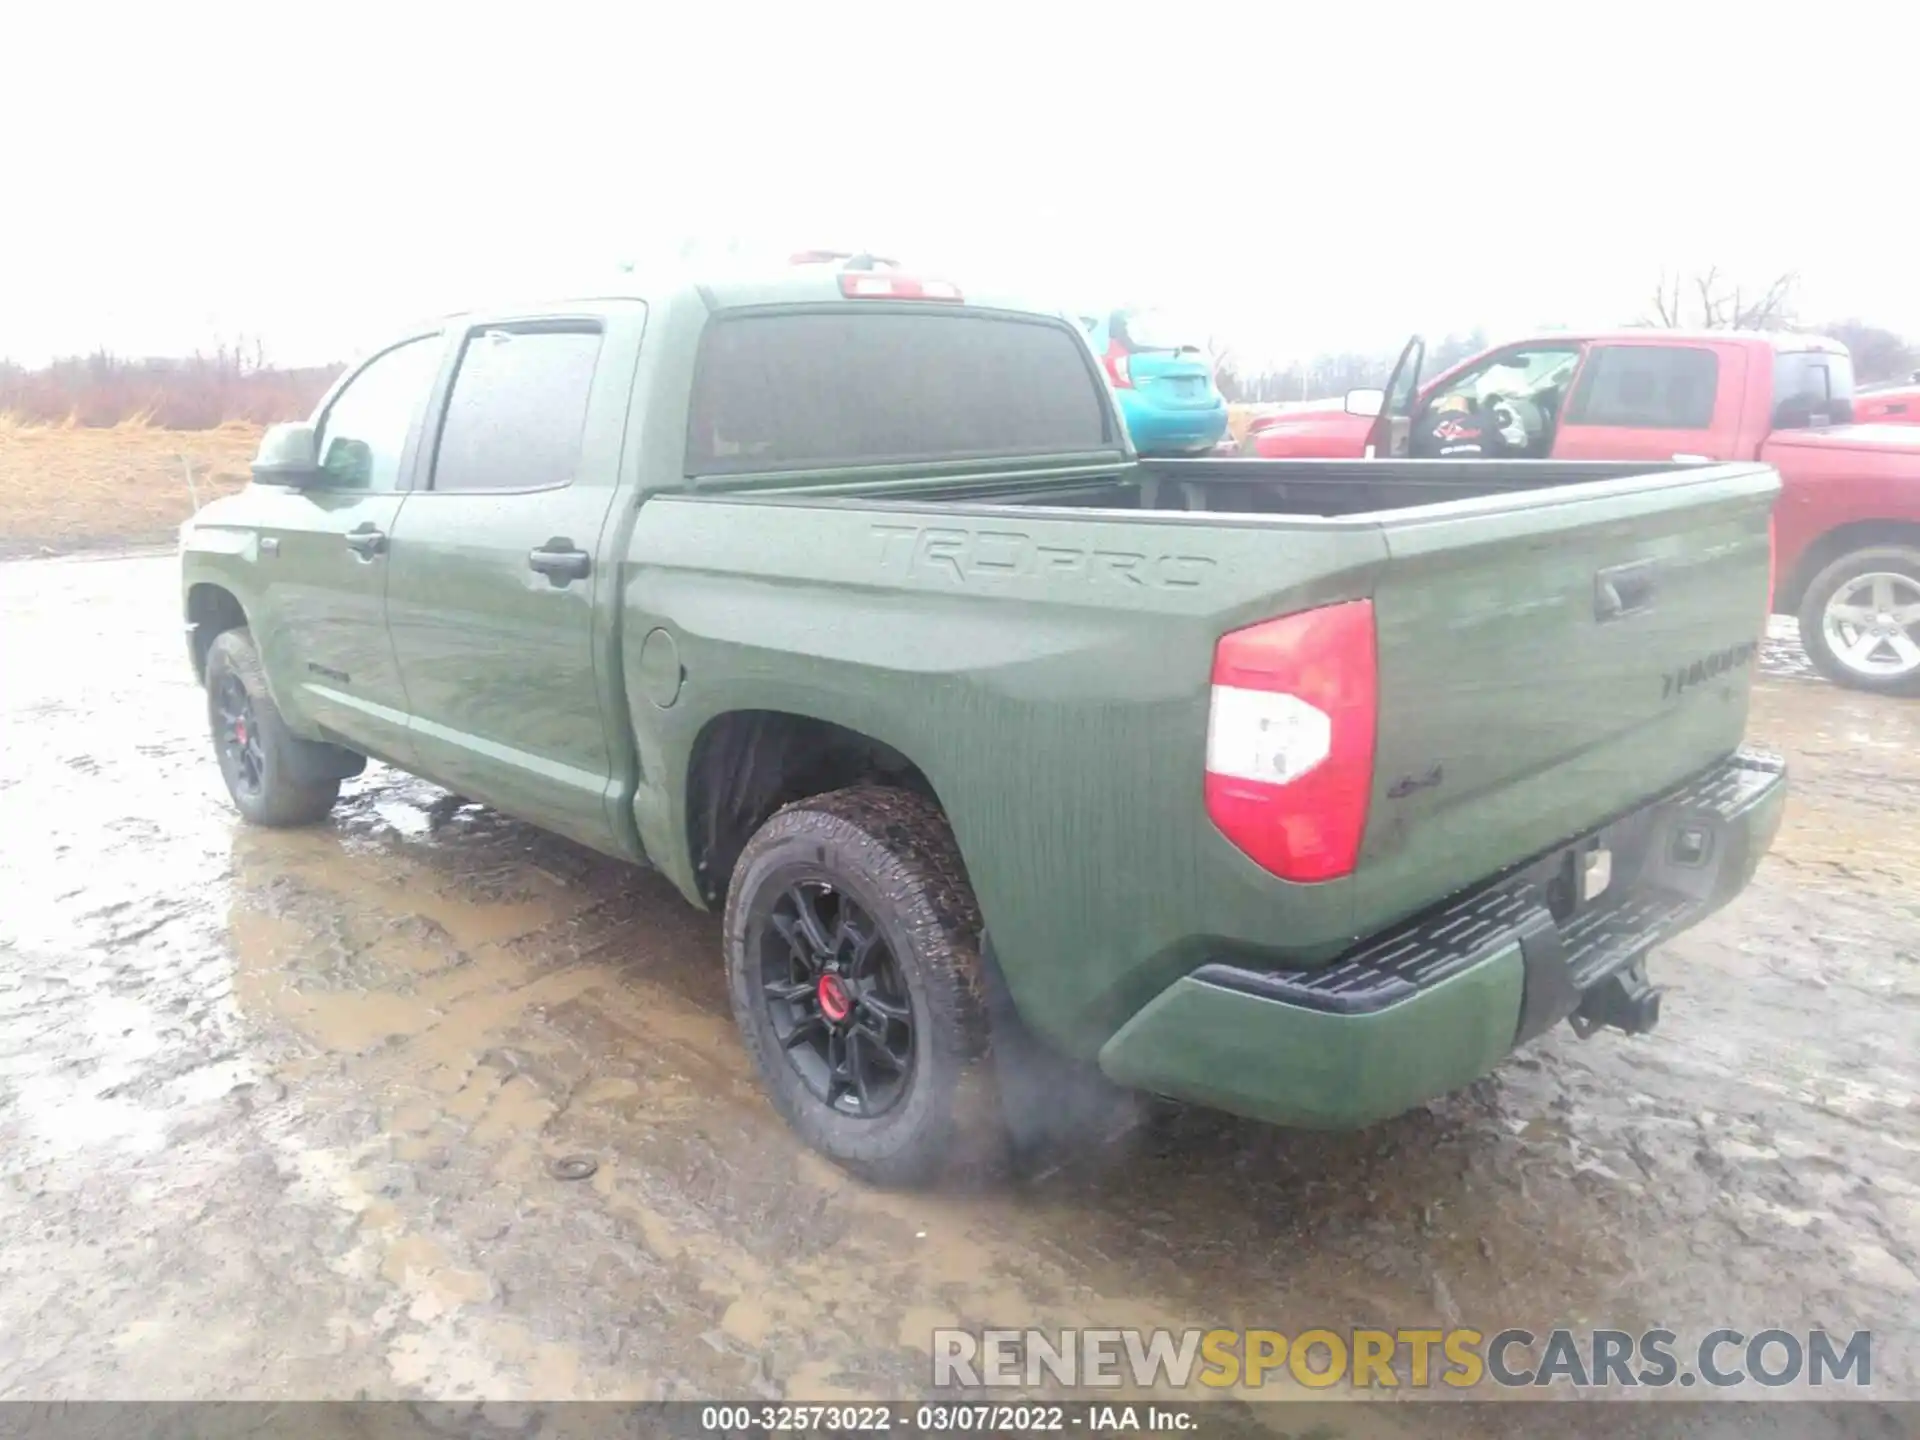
pixel 1711 301
pixel 1878 353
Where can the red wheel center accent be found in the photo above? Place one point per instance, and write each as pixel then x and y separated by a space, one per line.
pixel 835 1003
pixel 240 731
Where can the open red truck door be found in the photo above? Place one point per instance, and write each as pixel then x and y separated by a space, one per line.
pixel 1392 433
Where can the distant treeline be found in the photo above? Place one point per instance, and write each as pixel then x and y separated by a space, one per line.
pixel 195 393
pixel 1326 376
pixel 202 391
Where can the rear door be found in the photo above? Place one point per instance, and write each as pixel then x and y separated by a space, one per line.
pixel 1655 402
pixel 324 552
pixel 496 575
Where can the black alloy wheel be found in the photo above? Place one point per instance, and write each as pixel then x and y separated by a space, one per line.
pixel 241 754
pixel 839 1007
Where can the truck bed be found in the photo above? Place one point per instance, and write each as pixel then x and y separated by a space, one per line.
pixel 1328 488
pixel 1556 645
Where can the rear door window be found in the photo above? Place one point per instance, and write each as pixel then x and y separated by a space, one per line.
pixel 518 410
pixel 1647 387
pixel 821 389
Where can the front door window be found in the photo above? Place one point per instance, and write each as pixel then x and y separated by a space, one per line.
pixel 1505 407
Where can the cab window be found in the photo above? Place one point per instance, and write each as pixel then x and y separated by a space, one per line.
pixel 517 417
pixel 1812 387
pixel 363 435
pixel 1648 387
pixel 824 388
pixel 1538 374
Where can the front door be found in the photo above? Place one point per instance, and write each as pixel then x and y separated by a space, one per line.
pixel 1392 428
pixel 323 555
pixel 498 575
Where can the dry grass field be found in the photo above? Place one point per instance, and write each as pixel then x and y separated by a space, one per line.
pixel 64 488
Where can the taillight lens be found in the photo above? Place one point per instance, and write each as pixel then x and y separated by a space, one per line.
pixel 1290 737
pixel 1116 363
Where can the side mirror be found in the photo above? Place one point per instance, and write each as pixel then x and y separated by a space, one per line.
pixel 1366 403
pixel 288 456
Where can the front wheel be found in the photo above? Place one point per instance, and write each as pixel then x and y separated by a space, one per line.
pixel 259 757
pixel 852 961
pixel 1860 620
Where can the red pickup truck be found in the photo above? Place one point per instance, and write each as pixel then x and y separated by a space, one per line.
pixel 1847 525
pixel 1898 404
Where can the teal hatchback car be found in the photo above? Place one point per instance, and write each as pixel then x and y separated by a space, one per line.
pixel 1163 381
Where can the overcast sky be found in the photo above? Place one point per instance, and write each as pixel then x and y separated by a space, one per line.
pixel 1294 177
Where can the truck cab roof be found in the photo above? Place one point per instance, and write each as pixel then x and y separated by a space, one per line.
pixel 750 288
pixel 1785 342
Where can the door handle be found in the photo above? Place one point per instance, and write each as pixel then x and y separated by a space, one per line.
pixel 1623 590
pixel 559 561
pixel 366 540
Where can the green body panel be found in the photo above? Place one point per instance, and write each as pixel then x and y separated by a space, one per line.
pixel 502 675
pixel 1276 1062
pixel 1049 673
pixel 1060 713
pixel 316 609
pixel 1045 667
pixel 1494 668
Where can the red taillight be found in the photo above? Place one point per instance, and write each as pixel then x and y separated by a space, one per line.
pixel 1290 737
pixel 1116 362
pixel 882 285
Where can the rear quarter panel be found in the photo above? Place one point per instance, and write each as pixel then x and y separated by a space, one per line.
pixel 1048 673
pixel 1849 477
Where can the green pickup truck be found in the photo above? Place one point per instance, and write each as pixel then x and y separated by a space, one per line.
pixel 1305 790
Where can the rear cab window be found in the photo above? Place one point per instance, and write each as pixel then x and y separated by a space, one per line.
pixel 1647 387
pixel 1811 388
pixel 831 387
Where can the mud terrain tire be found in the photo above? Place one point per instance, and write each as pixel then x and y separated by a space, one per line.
pixel 893 855
pixel 267 779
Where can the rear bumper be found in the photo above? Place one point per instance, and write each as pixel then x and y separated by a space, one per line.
pixel 1436 1002
pixel 1186 429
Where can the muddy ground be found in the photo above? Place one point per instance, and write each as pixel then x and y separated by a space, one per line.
pixel 277 1110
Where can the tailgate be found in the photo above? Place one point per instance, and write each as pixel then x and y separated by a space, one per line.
pixel 1553 658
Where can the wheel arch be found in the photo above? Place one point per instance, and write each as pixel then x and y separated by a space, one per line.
pixel 1829 547
pixel 745 764
pixel 212 610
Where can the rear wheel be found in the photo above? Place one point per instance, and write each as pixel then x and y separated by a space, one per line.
pixel 259 757
pixel 1860 620
pixel 852 959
